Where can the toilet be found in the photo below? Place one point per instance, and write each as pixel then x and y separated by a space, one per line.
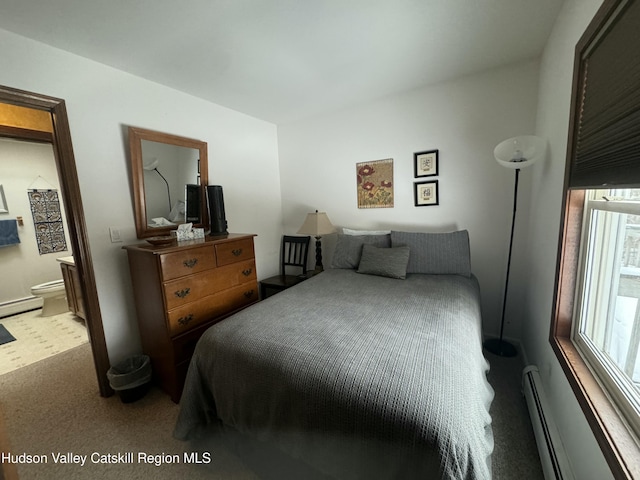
pixel 54 297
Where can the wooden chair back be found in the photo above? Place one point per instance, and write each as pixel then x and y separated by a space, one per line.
pixel 295 252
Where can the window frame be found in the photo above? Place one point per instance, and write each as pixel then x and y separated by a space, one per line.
pixel 619 389
pixel 618 444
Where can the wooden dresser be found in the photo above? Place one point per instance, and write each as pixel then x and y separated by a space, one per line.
pixel 182 289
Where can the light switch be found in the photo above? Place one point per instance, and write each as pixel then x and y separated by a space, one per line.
pixel 115 235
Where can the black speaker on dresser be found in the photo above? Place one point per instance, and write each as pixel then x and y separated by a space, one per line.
pixel 193 205
pixel 217 217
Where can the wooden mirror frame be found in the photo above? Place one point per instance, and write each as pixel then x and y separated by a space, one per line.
pixel 136 135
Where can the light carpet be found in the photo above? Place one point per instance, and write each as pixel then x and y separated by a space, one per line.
pixel 515 451
pixel 53 407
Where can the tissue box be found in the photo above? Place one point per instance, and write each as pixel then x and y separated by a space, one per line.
pixel 192 234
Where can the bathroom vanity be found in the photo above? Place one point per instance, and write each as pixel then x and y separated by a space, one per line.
pixel 181 290
pixel 72 286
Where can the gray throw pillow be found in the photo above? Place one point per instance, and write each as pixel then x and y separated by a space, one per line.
pixel 349 248
pixel 436 253
pixel 385 262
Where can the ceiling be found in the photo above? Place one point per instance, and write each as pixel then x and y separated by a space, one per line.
pixel 283 60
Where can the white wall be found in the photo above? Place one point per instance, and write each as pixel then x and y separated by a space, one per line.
pixel 101 103
pixel 464 119
pixel 535 273
pixel 21 165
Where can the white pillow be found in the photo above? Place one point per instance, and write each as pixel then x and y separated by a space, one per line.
pixel 348 231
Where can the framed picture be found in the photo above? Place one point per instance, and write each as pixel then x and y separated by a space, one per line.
pixel 426 193
pixel 425 164
pixel 375 184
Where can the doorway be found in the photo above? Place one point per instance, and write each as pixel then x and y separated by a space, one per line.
pixel 70 189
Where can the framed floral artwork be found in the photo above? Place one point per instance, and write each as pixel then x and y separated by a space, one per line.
pixel 425 164
pixel 375 184
pixel 426 193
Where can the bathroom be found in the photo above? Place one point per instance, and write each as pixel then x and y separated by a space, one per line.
pixel 26 166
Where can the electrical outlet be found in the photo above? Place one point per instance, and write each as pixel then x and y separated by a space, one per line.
pixel 115 235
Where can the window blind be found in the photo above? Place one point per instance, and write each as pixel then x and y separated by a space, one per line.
pixel 607 144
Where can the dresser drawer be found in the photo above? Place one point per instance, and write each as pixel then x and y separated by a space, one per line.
pixel 185 344
pixel 232 252
pixel 192 314
pixel 187 289
pixel 187 262
pixel 238 297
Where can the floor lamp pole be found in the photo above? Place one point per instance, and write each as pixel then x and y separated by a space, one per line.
pixel 168 190
pixel 499 346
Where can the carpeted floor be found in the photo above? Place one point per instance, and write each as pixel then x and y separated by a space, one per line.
pixel 8 471
pixel 53 407
pixel 515 451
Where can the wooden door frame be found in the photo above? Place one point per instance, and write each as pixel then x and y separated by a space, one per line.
pixel 70 189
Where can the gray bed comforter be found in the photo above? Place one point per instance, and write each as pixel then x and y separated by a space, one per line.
pixel 358 376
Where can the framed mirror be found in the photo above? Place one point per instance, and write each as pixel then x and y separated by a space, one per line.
pixel 169 175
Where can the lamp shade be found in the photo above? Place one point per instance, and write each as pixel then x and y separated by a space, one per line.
pixel 150 164
pixel 520 152
pixel 317 224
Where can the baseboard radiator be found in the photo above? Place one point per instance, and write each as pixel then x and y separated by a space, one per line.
pixel 555 464
pixel 20 305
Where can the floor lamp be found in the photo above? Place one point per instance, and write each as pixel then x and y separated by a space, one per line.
pixel 515 153
pixel 153 166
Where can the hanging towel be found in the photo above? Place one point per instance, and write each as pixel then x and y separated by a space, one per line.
pixel 9 233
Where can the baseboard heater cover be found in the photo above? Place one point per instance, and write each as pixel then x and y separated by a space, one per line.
pixel 555 464
pixel 19 305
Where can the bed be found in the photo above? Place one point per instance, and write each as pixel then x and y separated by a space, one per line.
pixel 366 371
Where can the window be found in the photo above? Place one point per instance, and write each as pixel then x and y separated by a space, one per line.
pixel 606 322
pixel 595 329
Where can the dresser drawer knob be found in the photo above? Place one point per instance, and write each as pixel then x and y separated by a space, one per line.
pixel 248 293
pixel 190 263
pixel 237 252
pixel 247 272
pixel 185 320
pixel 182 293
